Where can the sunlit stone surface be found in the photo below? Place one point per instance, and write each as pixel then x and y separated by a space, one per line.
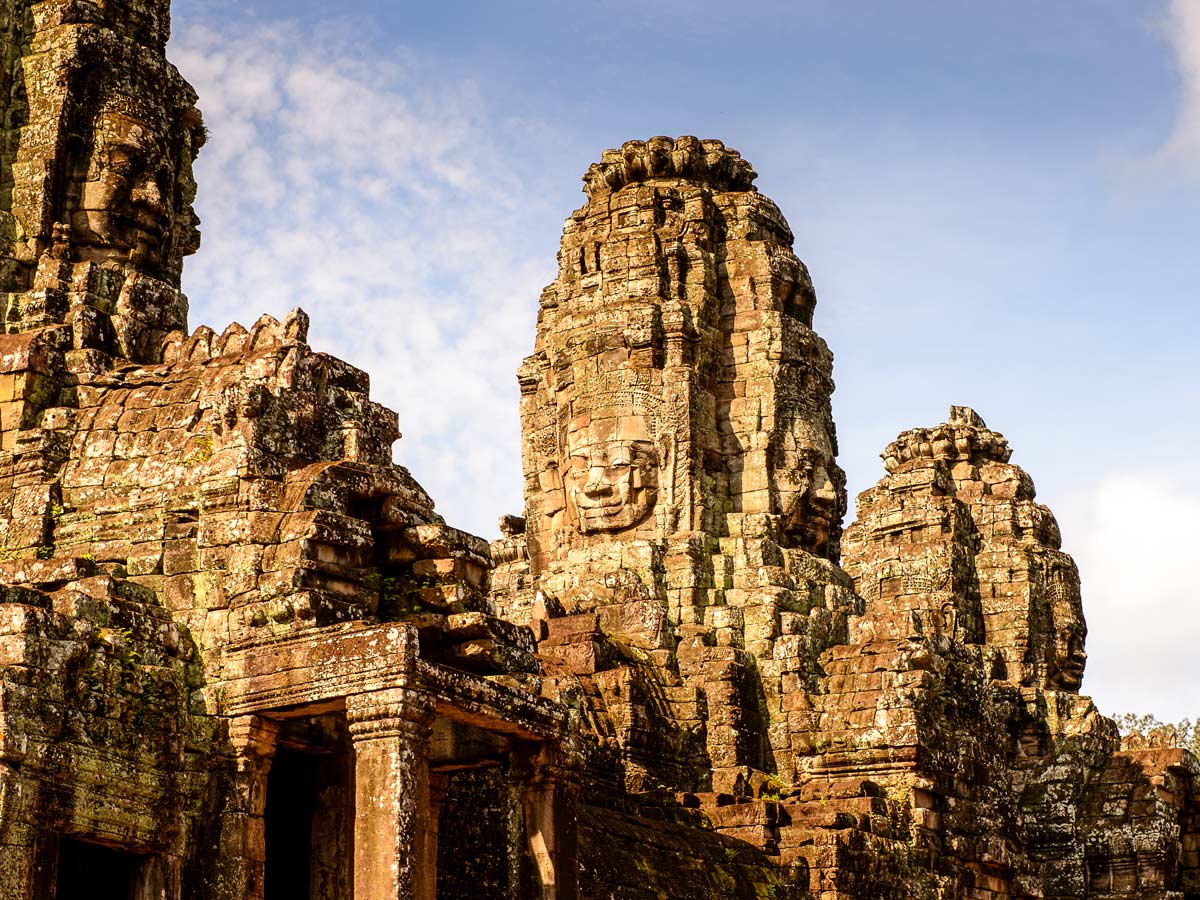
pixel 241 656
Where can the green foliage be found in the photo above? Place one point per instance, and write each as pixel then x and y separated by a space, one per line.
pixel 900 794
pixel 1187 732
pixel 399 595
pixel 130 655
pixel 772 789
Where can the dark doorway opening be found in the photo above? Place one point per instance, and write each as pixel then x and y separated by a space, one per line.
pixel 96 872
pixel 291 802
pixel 309 817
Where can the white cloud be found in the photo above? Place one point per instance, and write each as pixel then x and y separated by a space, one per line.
pixel 1182 149
pixel 371 192
pixel 1134 540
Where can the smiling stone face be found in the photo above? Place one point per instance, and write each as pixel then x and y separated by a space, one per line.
pixel 611 472
pixel 1067 655
pixel 805 479
pixel 126 193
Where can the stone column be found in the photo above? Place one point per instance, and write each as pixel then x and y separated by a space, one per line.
pixel 26 857
pixel 159 879
pixel 243 852
pixel 389 731
pixel 550 801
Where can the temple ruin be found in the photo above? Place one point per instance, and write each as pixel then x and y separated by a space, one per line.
pixel 243 658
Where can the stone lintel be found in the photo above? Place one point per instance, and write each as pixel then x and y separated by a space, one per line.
pixel 318 669
pixel 491 706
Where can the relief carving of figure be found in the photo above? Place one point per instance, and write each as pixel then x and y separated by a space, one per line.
pixel 805 478
pixel 130 194
pixel 611 476
pixel 1067 656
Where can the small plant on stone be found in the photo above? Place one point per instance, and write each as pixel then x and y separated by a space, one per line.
pixel 772 789
pixel 203 451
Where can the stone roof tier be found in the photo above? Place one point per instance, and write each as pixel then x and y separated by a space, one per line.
pixel 707 162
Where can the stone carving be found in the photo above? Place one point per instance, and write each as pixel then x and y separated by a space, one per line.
pixel 128 200
pixel 687 158
pixel 811 502
pixel 1019 588
pixel 97 238
pixel 612 464
pixel 241 656
pixel 1067 658
pixel 618 451
pixel 952 643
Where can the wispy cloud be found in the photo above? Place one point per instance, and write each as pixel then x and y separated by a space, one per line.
pixel 1134 540
pixel 1182 149
pixel 371 191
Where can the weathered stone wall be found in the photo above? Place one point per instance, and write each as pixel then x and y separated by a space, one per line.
pixel 476 852
pixel 14 31
pixel 233 631
pixel 675 853
pixel 100 134
pixel 99 736
pixel 207 556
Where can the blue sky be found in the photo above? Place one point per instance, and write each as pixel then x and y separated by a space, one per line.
pixel 999 204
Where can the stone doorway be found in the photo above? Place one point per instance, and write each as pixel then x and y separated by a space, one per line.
pixel 89 871
pixel 309 815
pixel 387 758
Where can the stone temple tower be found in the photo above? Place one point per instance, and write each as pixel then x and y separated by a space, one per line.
pixel 679 329
pixel 679 451
pixel 908 725
pixel 99 140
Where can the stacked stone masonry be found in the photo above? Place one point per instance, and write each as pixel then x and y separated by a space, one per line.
pixel 241 656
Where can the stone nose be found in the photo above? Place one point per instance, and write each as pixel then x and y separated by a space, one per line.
pixel 146 193
pixel 597 485
pixel 823 490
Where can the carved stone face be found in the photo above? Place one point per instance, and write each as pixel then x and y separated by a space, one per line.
pixel 126 193
pixel 611 472
pixel 1067 656
pixel 808 494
